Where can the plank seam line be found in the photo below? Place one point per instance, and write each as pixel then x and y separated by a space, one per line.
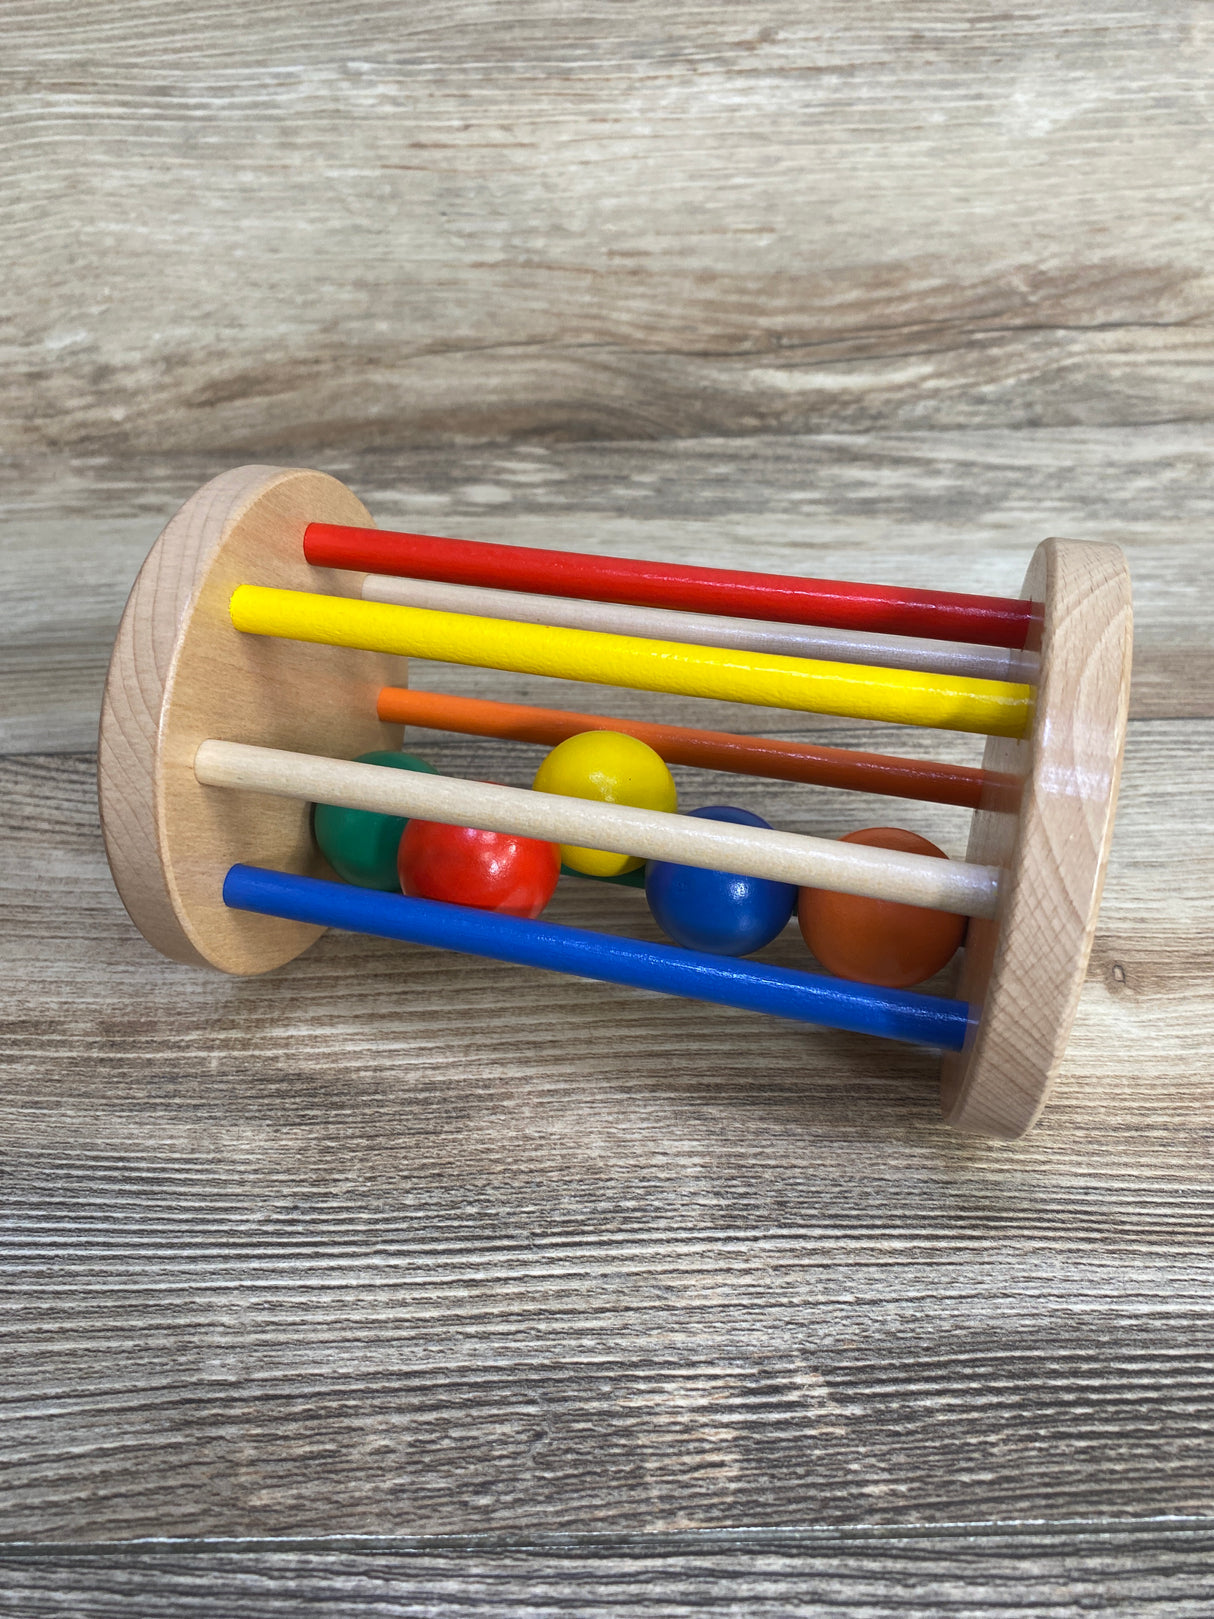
pixel 643 1542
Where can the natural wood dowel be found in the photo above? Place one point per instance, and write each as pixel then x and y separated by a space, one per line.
pixel 707 629
pixel 947 885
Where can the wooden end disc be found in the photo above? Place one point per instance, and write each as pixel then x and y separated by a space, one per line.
pixel 1046 819
pixel 180 673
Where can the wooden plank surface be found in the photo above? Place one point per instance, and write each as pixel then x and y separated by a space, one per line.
pixel 392 1243
pixel 231 227
pixel 1148 1570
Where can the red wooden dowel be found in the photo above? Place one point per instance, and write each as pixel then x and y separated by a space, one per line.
pixel 834 604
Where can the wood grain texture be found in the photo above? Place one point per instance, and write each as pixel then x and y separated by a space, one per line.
pixel 391 1244
pixel 236 230
pixel 1046 822
pixel 1145 1570
pixel 960 509
pixel 179 674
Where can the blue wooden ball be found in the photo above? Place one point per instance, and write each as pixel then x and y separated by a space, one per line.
pixel 718 911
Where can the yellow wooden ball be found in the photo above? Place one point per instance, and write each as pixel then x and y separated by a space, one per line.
pixel 615 769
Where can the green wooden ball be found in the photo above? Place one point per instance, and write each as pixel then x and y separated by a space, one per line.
pixel 361 845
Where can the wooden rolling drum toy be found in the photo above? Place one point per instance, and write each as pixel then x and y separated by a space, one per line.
pixel 263 646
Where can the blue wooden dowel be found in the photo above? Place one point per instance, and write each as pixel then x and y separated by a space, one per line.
pixel 896 1014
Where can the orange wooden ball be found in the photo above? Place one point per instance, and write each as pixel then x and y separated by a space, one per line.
pixel 878 941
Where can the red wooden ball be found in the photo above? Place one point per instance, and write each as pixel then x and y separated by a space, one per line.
pixel 491 871
pixel 878 941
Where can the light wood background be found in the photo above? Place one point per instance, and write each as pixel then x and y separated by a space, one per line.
pixel 397 1279
pixel 234 227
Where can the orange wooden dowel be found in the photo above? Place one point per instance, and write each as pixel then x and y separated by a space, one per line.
pixel 929 781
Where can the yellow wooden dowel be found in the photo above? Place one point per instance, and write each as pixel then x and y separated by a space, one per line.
pixel 903 696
